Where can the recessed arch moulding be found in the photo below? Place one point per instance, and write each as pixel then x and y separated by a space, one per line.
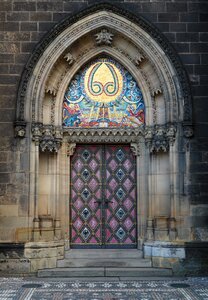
pixel 158 145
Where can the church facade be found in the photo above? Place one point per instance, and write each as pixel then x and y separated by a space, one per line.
pixel 108 142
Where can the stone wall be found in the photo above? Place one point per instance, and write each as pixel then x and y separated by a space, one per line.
pixel 24 24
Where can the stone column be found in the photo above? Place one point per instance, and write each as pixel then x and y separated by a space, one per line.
pixel 70 151
pixel 174 185
pixel 37 133
pixel 150 184
pixel 57 204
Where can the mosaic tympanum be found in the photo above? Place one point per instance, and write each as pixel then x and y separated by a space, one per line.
pixel 103 94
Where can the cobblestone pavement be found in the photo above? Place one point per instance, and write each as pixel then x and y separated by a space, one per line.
pixel 65 289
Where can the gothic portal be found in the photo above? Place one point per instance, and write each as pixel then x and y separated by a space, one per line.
pixel 105 108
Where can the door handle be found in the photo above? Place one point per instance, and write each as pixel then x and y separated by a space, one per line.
pixel 98 201
pixel 108 201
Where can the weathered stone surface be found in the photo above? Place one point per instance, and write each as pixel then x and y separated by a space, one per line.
pixel 14 266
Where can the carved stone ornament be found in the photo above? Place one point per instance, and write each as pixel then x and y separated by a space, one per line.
pixel 160 138
pixel 107 135
pixel 157 138
pixel 135 149
pixel 71 148
pixel 104 37
pixel 69 58
pixel 47 137
pixel 188 131
pixel 50 90
pixel 20 129
pixel 138 59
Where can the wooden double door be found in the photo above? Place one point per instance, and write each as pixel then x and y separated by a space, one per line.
pixel 103 197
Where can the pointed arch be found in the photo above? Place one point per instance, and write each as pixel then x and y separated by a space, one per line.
pixel 149 51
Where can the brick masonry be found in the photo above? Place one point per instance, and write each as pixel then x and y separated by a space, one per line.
pixel 24 23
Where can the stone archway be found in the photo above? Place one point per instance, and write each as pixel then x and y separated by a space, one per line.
pixel 158 146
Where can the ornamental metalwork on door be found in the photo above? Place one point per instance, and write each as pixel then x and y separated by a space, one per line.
pixel 103 197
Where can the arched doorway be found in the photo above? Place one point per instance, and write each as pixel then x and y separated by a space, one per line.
pixel 103 176
pixel 156 143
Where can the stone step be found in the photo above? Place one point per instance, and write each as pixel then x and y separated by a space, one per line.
pixel 105 272
pixel 104 262
pixel 103 253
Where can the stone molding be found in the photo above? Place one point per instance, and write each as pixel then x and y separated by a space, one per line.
pixel 157 138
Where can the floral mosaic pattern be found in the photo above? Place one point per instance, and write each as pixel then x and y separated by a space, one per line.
pixel 103 94
pixel 12 289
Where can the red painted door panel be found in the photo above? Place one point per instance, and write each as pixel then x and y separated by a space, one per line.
pixel 103 197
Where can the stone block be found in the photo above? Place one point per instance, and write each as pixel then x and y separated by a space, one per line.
pixel 8 210
pixel 41 16
pixel 203 37
pixel 178 27
pixel 21 58
pixel 6 6
pixel 58 16
pixel 197 27
pixel 161 262
pixel 2 16
pixel 181 47
pixel 24 6
pixel 28 26
pixel 152 17
pixel 8 115
pixel 6 58
pixel 17 16
pixel 171 17
pixel 199 47
pixel 7 90
pixel 23 234
pixel 171 36
pixel 4 69
pixel 28 47
pixel 42 263
pixel 197 7
pixel 164 27
pixel 154 7
pixel 45 26
pixel 15 69
pixel 14 266
pixel 46 234
pixel 50 6
pixel 2 189
pixel 190 58
pixel 187 36
pixel 4 178
pixel 189 17
pixel 40 252
pixel 74 6
pixel 9 26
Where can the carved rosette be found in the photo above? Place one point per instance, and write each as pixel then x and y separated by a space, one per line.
pixel 104 37
pixel 47 137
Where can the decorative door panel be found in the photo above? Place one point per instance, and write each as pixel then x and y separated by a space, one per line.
pixel 103 197
pixel 120 196
pixel 86 193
